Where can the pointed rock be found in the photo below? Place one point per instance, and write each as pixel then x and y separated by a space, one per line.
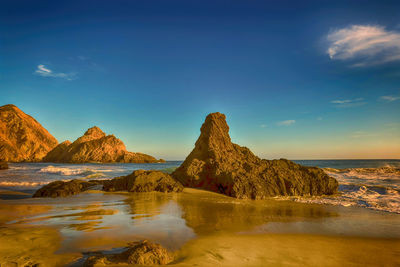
pixel 218 165
pixel 22 138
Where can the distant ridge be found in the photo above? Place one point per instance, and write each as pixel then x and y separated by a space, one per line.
pixel 22 138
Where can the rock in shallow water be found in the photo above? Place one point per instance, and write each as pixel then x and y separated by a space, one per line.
pixel 138 181
pixel 64 189
pixel 144 181
pixel 140 253
pixel 218 165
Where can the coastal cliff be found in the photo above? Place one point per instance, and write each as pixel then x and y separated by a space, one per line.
pixel 96 146
pixel 22 138
pixel 218 165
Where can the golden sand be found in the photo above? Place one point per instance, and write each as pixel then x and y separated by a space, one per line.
pixel 216 231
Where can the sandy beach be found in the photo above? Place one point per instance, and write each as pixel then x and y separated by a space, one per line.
pixel 200 227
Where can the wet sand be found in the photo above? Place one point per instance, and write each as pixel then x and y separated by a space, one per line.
pixel 202 228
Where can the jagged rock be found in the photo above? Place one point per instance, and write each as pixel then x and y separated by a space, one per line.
pixel 144 181
pixel 64 189
pixel 138 253
pixel 218 165
pixel 96 146
pixel 3 165
pixel 22 138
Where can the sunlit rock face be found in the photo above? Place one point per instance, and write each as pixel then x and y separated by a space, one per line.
pixel 218 165
pixel 22 138
pixel 96 146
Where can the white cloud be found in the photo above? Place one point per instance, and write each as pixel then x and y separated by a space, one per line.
pixel 319 118
pixel 347 103
pixel 365 45
pixel 286 123
pixel 263 126
pixel 389 98
pixel 46 72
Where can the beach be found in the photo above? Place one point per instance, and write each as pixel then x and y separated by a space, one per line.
pixel 201 228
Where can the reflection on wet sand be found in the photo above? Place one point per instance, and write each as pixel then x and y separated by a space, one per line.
pixel 207 212
pixel 190 223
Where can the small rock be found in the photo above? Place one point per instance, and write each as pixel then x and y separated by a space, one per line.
pixel 138 253
pixel 3 165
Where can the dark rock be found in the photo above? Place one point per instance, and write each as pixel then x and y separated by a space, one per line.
pixel 64 189
pixel 143 181
pixel 3 165
pixel 218 165
pixel 96 146
pixel 138 253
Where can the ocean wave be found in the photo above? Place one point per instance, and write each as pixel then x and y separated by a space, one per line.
pixel 356 171
pixel 72 171
pixel 17 168
pixel 22 184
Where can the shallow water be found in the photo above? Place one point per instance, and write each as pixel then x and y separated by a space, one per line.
pixel 95 221
pixel 101 221
pixel 372 184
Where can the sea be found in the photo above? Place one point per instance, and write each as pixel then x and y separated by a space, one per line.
pixel 372 184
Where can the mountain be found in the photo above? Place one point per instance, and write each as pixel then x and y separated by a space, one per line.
pixel 22 138
pixel 218 165
pixel 96 146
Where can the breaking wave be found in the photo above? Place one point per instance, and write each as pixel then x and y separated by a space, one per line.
pixel 71 171
pixel 22 184
pixel 373 188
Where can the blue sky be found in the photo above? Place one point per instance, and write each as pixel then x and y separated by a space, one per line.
pixel 301 80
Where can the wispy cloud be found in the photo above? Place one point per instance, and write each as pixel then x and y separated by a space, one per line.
pixel 389 98
pixel 263 126
pixel 364 44
pixel 42 70
pixel 347 103
pixel 319 118
pixel 361 134
pixel 286 123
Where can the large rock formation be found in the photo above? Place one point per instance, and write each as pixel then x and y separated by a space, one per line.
pixel 22 138
pixel 96 146
pixel 218 165
pixel 144 181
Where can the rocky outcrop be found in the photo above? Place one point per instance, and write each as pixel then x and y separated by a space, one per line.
pixel 144 181
pixel 138 253
pixel 138 181
pixel 64 189
pixel 218 165
pixel 22 138
pixel 3 165
pixel 96 146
